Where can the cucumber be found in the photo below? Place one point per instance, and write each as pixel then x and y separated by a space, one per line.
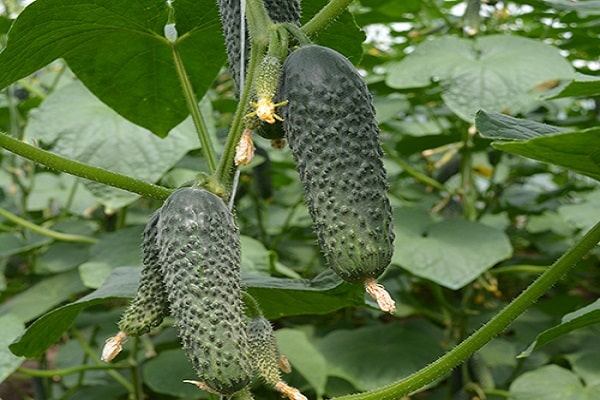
pixel 332 132
pixel 266 358
pixel 149 307
pixel 200 260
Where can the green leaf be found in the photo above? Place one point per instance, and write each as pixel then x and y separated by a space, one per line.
pixel 11 244
pixel 578 151
pixel 304 357
pixel 498 126
pixel 374 356
pixel 43 296
pixel 82 128
pixel 115 249
pixel 52 190
pixel 452 252
pixel 581 318
pixel 12 326
pixel 343 35
pixel 165 374
pixel 551 382
pixel 278 297
pixel 495 73
pixel 47 329
pixel 119 51
pixel 583 85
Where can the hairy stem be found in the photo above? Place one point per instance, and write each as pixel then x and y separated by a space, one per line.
pixel 83 170
pixel 325 16
pixel 492 328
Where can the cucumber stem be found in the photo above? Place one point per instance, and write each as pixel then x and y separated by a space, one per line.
pixel 325 16
pixel 492 328
pixel 82 170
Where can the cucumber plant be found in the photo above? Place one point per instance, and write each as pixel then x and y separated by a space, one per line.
pixel 286 89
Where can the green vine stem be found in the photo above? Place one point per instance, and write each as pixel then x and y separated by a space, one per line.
pixel 51 373
pixel 82 170
pixel 325 16
pixel 492 328
pixel 65 237
pixel 194 109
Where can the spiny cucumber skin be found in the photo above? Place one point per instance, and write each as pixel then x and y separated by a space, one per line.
pixel 263 349
pixel 331 129
pixel 200 257
pixel 148 308
pixel 268 77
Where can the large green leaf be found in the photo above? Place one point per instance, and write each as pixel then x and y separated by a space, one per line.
pixel 115 249
pixel 451 252
pixel 497 126
pixel 118 49
pixel 583 85
pixel 551 382
pixel 374 356
pixel 304 357
pixel 578 151
pixel 586 316
pixel 496 72
pixel 11 328
pixel 43 296
pixel 342 35
pixel 278 297
pixel 82 128
pixel 165 374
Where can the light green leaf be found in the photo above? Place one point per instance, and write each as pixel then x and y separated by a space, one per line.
pixel 166 372
pixel 581 318
pixel 119 51
pixel 583 85
pixel 115 249
pixel 551 382
pixel 43 296
pixel 11 244
pixel 277 297
pixel 12 326
pixel 498 126
pixel 304 357
pixel 82 128
pixel 374 356
pixel 578 151
pixel 52 190
pixel 451 252
pixel 46 330
pixel 495 72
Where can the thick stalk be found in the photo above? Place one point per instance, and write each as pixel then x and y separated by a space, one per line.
pixel 65 237
pixel 83 170
pixel 194 109
pixel 224 172
pixel 325 16
pixel 492 328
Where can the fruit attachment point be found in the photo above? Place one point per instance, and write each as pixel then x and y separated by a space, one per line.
pixel 380 295
pixel 113 347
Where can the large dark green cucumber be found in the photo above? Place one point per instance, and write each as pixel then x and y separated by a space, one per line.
pixel 200 258
pixel 149 306
pixel 331 129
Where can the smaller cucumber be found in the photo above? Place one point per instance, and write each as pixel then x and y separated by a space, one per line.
pixel 149 307
pixel 266 359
